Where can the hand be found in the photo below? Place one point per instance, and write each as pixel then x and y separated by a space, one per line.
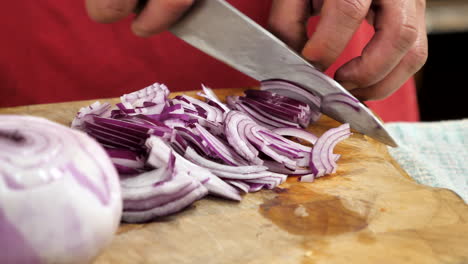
pixel 397 50
pixel 156 17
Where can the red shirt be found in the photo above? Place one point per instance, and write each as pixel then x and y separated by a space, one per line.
pixel 51 51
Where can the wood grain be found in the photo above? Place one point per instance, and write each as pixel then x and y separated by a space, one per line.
pixel 370 211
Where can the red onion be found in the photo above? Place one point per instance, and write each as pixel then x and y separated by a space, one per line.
pixel 160 153
pixel 322 160
pixel 209 95
pixel 171 152
pixel 294 91
pixel 60 199
pixel 159 192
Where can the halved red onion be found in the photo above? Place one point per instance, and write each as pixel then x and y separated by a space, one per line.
pixel 54 181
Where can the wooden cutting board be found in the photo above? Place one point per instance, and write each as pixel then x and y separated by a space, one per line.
pixel 370 211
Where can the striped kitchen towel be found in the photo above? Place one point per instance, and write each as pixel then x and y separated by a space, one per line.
pixel 434 153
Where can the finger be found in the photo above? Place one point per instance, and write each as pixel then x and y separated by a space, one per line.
pixel 396 30
pixel 339 21
pixel 316 6
pixel 409 65
pixel 108 11
pixel 158 16
pixel 288 20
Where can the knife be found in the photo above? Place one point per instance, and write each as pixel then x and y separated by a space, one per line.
pixel 220 30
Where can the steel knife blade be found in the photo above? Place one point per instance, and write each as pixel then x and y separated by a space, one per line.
pixel 220 30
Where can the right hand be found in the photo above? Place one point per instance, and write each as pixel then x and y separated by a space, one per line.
pixel 156 17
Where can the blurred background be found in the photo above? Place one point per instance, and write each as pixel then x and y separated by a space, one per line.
pixel 442 82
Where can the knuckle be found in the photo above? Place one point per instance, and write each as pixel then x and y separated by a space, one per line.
pixel 407 36
pixel 417 58
pixel 366 77
pixel 355 10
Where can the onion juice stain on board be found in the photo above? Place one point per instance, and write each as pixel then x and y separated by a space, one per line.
pixel 300 211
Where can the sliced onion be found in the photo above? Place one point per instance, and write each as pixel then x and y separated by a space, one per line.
pixel 126 161
pixel 255 187
pixel 274 166
pixel 160 192
pixel 307 178
pixel 96 109
pixel 244 187
pixel 235 134
pixel 211 96
pixel 342 99
pixel 294 91
pixel 160 152
pixel 279 106
pixel 259 119
pixel 322 161
pixel 217 147
pixel 155 93
pixel 193 156
pixel 297 133
pixel 224 152
pixel 213 113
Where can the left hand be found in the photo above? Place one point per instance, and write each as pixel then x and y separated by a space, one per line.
pixel 397 50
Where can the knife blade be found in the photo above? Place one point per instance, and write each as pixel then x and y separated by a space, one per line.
pixel 220 30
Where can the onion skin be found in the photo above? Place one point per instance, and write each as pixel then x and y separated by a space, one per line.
pixel 60 198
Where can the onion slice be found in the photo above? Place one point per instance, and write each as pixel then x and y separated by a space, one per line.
pixel 159 192
pixel 322 160
pixel 160 152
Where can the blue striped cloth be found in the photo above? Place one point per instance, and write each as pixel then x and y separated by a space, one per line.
pixel 434 153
